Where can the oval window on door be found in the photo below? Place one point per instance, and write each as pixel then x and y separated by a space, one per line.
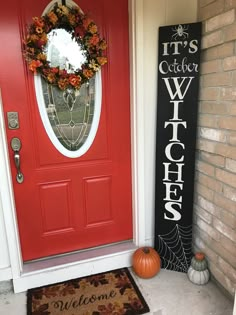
pixel 70 117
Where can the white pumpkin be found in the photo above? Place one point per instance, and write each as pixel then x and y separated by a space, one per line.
pixel 198 277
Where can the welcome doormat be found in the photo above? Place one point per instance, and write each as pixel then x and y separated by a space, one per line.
pixel 113 292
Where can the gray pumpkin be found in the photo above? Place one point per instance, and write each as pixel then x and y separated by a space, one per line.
pixel 199 264
pixel 198 277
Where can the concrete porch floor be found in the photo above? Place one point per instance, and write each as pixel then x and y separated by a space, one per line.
pixel 168 293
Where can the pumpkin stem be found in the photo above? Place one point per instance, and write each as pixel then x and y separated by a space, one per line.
pixel 146 250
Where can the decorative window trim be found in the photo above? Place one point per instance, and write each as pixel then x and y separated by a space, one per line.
pixel 95 123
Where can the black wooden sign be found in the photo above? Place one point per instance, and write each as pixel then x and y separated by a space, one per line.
pixel 178 85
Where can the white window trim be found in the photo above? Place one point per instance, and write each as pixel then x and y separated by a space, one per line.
pixel 24 278
pixel 47 125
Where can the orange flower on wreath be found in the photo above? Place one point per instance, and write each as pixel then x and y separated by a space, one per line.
pixel 102 45
pixel 52 17
pixel 63 83
pixel 94 40
pixel 88 73
pixel 34 64
pixel 72 19
pixel 102 60
pixel 51 77
pixel 86 22
pixel 33 38
pixel 42 57
pixel 38 22
pixel 75 80
pixel 39 30
pixel 93 28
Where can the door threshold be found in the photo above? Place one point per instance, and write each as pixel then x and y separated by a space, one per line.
pixel 74 265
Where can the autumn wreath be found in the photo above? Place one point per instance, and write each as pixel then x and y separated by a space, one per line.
pixel 82 29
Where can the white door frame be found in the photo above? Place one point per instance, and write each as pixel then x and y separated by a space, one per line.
pixel 47 271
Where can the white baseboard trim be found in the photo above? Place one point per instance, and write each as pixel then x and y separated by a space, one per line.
pixel 5 274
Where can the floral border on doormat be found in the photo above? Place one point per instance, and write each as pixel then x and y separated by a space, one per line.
pixel 113 292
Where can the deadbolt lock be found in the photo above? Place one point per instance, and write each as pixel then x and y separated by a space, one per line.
pixel 13 120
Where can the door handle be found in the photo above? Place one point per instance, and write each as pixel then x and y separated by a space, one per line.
pixel 16 146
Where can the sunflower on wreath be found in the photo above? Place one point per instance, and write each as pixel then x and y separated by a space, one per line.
pixel 82 29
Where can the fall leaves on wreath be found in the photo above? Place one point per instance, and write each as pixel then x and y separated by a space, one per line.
pixel 82 28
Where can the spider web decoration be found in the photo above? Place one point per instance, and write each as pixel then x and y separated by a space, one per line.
pixel 175 248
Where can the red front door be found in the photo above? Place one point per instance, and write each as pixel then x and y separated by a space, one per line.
pixel 66 204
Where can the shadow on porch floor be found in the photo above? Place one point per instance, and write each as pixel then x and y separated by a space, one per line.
pixel 169 293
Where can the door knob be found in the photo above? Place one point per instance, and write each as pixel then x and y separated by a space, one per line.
pixel 16 146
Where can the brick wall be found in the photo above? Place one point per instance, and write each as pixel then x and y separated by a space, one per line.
pixel 215 189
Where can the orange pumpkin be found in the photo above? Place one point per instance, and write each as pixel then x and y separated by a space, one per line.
pixel 146 262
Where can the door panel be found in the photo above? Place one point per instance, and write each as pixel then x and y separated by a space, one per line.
pixel 56 196
pixel 67 204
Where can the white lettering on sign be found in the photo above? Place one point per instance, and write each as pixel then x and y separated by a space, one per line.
pixel 173 48
pixel 177 88
pixel 176 67
pixel 177 85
